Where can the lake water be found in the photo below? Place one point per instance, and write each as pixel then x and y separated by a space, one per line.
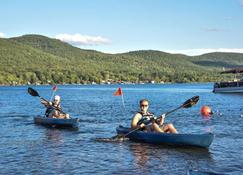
pixel 26 148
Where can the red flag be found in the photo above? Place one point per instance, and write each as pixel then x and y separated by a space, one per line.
pixel 118 92
pixel 54 88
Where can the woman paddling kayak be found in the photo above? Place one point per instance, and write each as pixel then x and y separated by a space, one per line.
pixel 147 121
pixel 54 108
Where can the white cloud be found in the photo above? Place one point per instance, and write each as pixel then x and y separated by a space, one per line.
pixel 2 35
pixel 194 52
pixel 211 29
pixel 229 18
pixel 79 40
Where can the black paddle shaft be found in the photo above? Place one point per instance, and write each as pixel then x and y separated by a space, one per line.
pixel 187 104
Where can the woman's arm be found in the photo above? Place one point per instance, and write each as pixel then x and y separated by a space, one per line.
pixel 162 119
pixel 136 118
pixel 46 103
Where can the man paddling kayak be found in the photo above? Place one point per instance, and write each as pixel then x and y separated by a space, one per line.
pixel 54 108
pixel 147 120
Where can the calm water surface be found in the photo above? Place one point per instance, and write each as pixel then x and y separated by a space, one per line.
pixel 26 148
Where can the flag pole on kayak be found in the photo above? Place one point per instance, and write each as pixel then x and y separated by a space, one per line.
pixel 120 93
pixel 54 89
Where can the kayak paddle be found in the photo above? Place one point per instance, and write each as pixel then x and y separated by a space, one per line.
pixel 187 104
pixel 34 93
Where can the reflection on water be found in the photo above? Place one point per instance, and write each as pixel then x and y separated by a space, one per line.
pixel 190 157
pixel 140 153
pixel 53 135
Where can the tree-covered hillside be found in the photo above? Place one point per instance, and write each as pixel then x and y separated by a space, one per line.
pixel 219 60
pixel 39 59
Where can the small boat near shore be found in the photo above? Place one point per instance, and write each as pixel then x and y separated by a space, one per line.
pixel 198 140
pixel 58 123
pixel 234 86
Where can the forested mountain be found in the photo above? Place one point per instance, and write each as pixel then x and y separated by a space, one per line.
pixel 219 60
pixel 39 59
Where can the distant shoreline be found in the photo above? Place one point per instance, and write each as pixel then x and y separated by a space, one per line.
pixel 105 84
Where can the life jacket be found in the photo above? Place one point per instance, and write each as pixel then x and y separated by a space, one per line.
pixel 145 118
pixel 50 109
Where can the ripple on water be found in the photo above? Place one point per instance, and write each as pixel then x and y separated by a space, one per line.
pixel 27 148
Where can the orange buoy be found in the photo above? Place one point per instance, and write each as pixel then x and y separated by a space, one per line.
pixel 206 111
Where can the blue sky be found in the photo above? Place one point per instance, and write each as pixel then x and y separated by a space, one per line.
pixel 177 26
